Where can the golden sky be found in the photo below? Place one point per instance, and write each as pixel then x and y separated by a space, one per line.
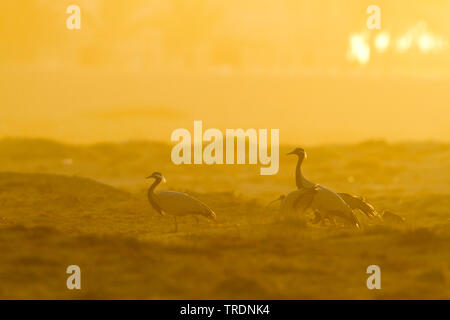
pixel 140 69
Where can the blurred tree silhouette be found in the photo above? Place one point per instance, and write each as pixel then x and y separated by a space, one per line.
pixel 204 34
pixel 186 28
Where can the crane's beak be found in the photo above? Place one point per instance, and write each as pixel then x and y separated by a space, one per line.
pixel 292 152
pixel 149 177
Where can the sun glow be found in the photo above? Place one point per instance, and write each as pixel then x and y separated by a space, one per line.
pixel 420 36
pixel 359 49
pixel 426 42
pixel 404 43
pixel 382 41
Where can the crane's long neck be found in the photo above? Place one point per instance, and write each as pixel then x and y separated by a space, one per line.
pixel 299 178
pixel 151 196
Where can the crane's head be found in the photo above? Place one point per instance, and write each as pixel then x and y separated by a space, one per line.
pixel 300 152
pixel 157 176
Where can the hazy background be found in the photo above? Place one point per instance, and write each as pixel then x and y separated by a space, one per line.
pixel 140 69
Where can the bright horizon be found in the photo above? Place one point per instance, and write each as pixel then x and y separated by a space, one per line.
pixel 133 106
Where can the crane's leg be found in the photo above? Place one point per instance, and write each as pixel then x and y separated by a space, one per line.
pixel 330 218
pixel 352 221
pixel 196 219
pixel 176 224
pixel 317 217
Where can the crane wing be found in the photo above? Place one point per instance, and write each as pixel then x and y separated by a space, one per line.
pixel 356 202
pixel 305 198
pixel 298 200
pixel 178 203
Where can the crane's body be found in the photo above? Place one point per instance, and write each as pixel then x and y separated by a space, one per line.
pixel 175 203
pixel 298 200
pixel 182 204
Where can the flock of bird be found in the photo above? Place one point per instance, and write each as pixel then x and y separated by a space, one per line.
pixel 325 203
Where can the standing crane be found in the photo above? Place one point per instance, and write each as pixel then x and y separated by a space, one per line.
pixel 325 202
pixel 354 202
pixel 176 203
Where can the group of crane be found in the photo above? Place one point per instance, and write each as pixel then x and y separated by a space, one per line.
pixel 325 203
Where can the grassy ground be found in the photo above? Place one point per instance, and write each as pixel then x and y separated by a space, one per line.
pixel 51 217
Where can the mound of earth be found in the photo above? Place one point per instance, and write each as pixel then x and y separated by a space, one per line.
pixel 68 203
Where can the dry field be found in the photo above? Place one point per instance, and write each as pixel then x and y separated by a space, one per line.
pixel 86 205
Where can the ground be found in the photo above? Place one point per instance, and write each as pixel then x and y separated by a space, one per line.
pixel 86 205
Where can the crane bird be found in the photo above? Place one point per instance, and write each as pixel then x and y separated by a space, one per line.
pixel 175 203
pixel 298 200
pixel 325 202
pixel 354 202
